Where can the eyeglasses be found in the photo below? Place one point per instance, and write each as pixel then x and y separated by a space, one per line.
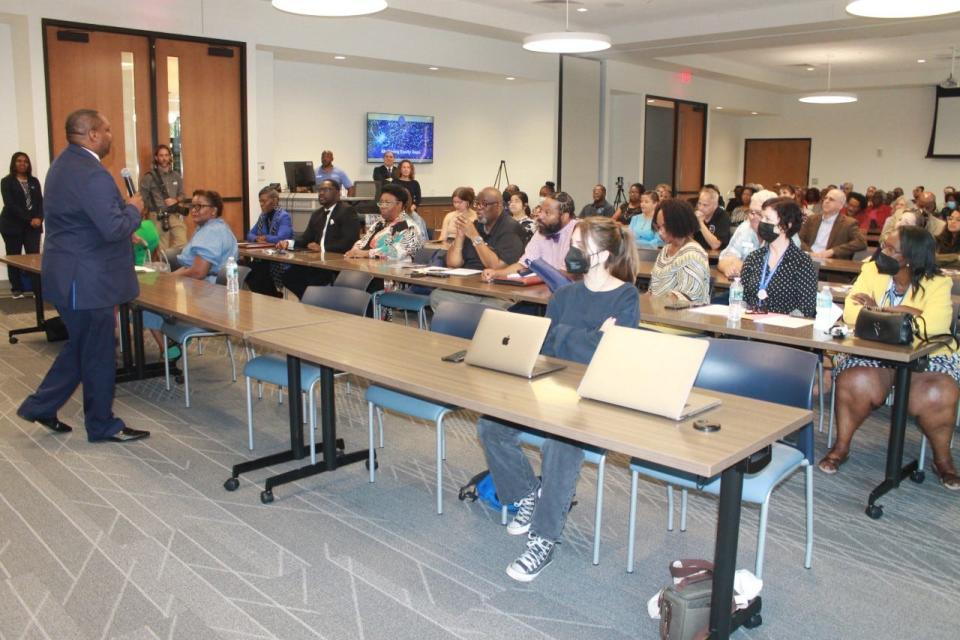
pixel 199 205
pixel 483 204
pixel 383 204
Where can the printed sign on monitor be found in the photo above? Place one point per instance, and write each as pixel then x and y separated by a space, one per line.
pixel 409 137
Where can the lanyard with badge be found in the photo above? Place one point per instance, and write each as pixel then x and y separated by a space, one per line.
pixel 766 275
pixel 892 297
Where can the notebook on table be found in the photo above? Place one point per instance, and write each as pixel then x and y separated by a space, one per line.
pixel 511 343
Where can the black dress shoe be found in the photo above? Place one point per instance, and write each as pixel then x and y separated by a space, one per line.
pixel 127 435
pixel 50 423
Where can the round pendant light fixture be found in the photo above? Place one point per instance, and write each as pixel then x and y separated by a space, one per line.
pixel 828 96
pixel 330 8
pixel 567 41
pixel 902 9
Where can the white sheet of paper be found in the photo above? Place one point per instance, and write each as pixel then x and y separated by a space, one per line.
pixel 463 272
pixel 711 310
pixel 779 320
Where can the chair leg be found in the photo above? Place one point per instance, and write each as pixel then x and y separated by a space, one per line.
pixel 380 422
pixel 762 537
pixel 443 443
pixel 923 453
pixel 166 363
pixel 820 388
pixel 186 373
pixel 808 555
pixel 249 416
pixel 312 408
pixel 259 390
pixel 503 515
pixel 683 509
pixel 370 449
pixel 303 406
pixel 233 362
pixel 669 507
pixel 440 465
pixel 632 520
pixel 833 404
pixel 597 516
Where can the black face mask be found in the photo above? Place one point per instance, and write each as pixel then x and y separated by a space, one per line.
pixel 576 261
pixel 885 264
pixel 767 231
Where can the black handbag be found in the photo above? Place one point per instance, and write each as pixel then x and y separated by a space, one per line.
pixel 887 327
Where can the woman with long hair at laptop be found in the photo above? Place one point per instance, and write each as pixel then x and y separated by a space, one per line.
pixel 604 253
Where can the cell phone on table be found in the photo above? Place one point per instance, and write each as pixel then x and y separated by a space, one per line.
pixel 457 356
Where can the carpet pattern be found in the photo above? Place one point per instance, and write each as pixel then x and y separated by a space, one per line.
pixel 140 541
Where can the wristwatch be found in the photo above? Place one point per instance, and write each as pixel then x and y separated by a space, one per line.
pixel 478 242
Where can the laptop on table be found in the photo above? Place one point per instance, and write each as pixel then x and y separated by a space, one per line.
pixel 511 343
pixel 660 368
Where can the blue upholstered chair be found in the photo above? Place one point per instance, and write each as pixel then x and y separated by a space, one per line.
pixel 765 372
pixel 406 300
pixel 182 334
pixel 272 368
pixel 451 318
pixel 353 280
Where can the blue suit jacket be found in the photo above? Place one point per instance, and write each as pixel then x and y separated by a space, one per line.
pixel 87 256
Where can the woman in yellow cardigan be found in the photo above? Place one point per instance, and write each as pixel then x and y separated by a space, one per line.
pixel 903 277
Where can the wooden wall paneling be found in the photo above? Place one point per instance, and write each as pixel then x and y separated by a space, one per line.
pixel 691 132
pixel 777 160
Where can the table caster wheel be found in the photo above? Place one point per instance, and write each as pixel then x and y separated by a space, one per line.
pixel 340 444
pixel 875 511
pixel 266 497
pixel 918 476
pixel 753 621
pixel 232 484
pixel 13 340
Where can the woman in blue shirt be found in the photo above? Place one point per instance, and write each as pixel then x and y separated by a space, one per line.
pixel 642 225
pixel 603 252
pixel 273 225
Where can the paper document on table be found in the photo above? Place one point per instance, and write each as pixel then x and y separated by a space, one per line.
pixel 463 272
pixel 140 269
pixel 778 320
pixel 711 310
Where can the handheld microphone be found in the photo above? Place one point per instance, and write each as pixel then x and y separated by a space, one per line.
pixel 128 181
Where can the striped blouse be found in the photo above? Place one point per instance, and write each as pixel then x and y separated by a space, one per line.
pixel 687 273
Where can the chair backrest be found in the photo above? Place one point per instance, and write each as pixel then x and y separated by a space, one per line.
pixel 242 272
pixel 353 280
pixel 426 255
pixel 170 257
pixel 648 255
pixel 955 289
pixel 863 253
pixel 763 371
pixel 338 298
pixel 458 319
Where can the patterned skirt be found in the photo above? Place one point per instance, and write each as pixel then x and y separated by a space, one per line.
pixel 947 364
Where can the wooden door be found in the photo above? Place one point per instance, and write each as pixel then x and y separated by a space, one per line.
pixel 207 134
pixel 109 72
pixel 777 161
pixel 691 128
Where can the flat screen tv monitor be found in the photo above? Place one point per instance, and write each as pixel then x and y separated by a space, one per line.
pixel 300 174
pixel 409 137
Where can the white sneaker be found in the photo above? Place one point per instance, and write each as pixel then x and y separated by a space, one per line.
pixel 520 524
pixel 535 559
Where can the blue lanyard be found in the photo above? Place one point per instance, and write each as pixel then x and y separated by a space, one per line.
pixel 766 277
pixel 892 297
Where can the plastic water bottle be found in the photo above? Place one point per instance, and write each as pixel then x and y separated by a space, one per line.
pixel 735 307
pixel 824 307
pixel 233 281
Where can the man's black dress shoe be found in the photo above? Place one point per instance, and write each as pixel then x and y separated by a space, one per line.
pixel 127 435
pixel 50 423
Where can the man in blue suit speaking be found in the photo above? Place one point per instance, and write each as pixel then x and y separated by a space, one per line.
pixel 87 270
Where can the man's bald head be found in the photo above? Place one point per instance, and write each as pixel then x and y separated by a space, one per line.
pixel 927 201
pixel 835 200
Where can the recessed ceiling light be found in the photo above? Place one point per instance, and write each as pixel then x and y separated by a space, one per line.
pixel 582 10
pixel 510 78
pixel 920 61
pixel 754 113
pixel 811 68
pixel 339 57
pixel 434 68
pixel 719 108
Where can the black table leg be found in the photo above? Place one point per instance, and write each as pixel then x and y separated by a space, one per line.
pixel 134 366
pixel 125 345
pixel 38 309
pixel 895 472
pixel 138 347
pixel 331 446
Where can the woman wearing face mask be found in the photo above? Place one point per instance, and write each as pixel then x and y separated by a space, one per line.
pixel 520 211
pixel 632 206
pixel 603 252
pixel 641 225
pixel 949 239
pixel 681 270
pixel 779 277
pixel 902 278
pixel 949 204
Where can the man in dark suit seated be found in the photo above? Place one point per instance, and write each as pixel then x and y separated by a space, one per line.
pixel 388 171
pixel 87 270
pixel 334 227
pixel 831 233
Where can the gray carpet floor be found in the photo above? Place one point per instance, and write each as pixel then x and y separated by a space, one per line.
pixel 141 541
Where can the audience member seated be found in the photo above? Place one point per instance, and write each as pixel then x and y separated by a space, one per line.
pixel 631 207
pixel 740 212
pixel 745 239
pixel 682 270
pixel 416 217
pixel 903 278
pixel 274 225
pixel 388 171
pixel 548 190
pixel 462 199
pixel 493 241
pixel 830 234
pixel 857 209
pixel 949 239
pixel 551 241
pixel 925 211
pixel 713 221
pixel 579 313
pixel 212 244
pixel 877 210
pixel 406 177
pixel 519 206
pixel 641 224
pixel 811 202
pixel 664 191
pixel 394 235
pixel 780 277
pixel 949 204
pixel 788 191
pixel 334 227
pixel 847 188
pixel 326 171
pixel 599 206
pixel 145 239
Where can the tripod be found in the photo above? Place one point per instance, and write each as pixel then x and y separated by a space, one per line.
pixel 501 174
pixel 620 198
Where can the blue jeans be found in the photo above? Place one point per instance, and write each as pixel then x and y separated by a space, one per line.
pixel 514 478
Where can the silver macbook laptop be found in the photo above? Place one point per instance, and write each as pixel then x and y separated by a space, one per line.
pixel 660 369
pixel 510 342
